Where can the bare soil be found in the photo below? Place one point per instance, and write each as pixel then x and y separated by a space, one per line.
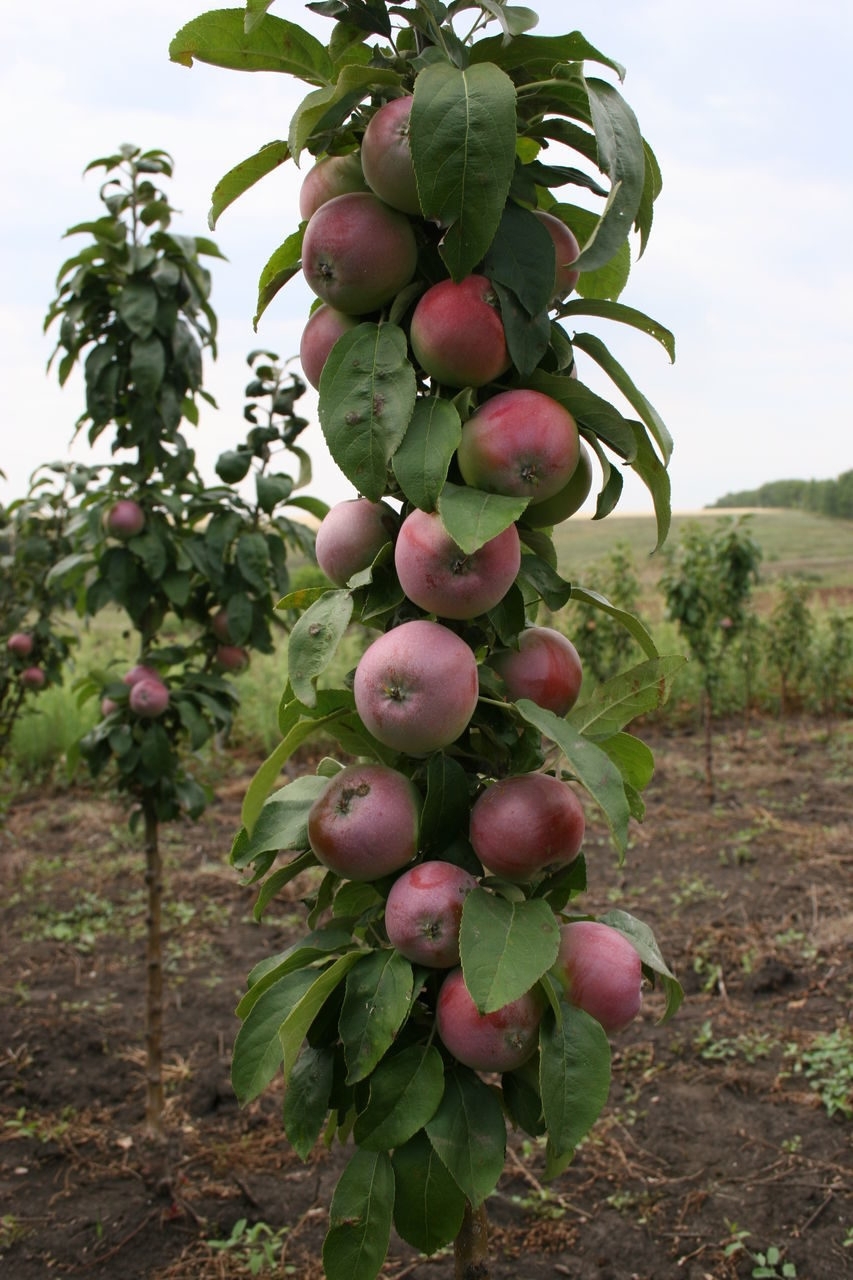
pixel 727 1134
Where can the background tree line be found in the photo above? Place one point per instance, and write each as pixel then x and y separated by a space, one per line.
pixel 824 497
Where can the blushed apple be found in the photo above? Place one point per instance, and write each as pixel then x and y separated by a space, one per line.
pixel 232 657
pixel 499 1041
pixel 365 823
pixel 570 498
pixel 33 678
pixel 526 823
pixel 441 578
pixel 125 519
pixel 566 250
pixel 546 668
pixel 424 910
pixel 148 699
pixel 601 972
pixel 20 643
pixel 351 535
pixel 331 176
pixel 457 334
pixel 220 627
pixel 142 672
pixel 358 252
pixel 386 156
pixel 325 325
pixel 521 443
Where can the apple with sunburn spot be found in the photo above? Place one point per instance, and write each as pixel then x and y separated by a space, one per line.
pixel 125 519
pixel 424 911
pixel 331 176
pixel 570 499
pixel 499 1041
pixel 601 972
pixel 566 251
pixel 386 156
pixel 526 823
pixel 365 823
pixel 232 657
pixel 351 535
pixel 521 443
pixel 546 668
pixel 20 643
pixel 416 687
pixel 148 698
pixel 457 334
pixel 325 325
pixel 33 678
pixel 358 252
pixel 441 578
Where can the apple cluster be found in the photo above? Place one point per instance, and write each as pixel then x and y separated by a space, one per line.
pixel 20 645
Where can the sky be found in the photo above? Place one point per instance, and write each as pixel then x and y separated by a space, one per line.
pixel 746 104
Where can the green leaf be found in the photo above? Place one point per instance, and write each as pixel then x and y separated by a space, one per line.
pixel 272 490
pixel 354 82
pixel 360 1218
pixel 447 804
pixel 405 1091
pixel 622 157
pixel 472 517
pixel 244 175
pixel 632 624
pixel 428 1205
pixel 463 134
pixel 314 641
pixel 540 54
pixel 522 258
pixel 313 947
pixel 269 772
pixel 574 1078
pixel 594 347
pixel 294 1026
pixel 147 364
pixel 422 460
pixel 258 1052
pixel 306 1101
pixel 621 699
pixel 589 410
pixel 367 394
pixel 221 39
pixel 606 281
pixel 618 312
pixel 468 1134
pixel 137 305
pixel 655 477
pixel 646 945
pixel 506 947
pixel 282 822
pixel 376 1003
pixel 280 267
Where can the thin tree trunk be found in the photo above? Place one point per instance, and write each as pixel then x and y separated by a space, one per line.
pixel 154 1099
pixel 471 1247
pixel 709 757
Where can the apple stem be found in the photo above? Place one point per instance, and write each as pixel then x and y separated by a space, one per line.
pixel 471 1246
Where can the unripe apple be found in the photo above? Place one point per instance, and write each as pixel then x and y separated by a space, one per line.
pixel 232 657
pixel 424 911
pixel 416 687
pixel 457 334
pixel 329 177
pixel 386 156
pixel 566 250
pixel 601 972
pixel 526 823
pixel 365 823
pixel 148 699
pixel 569 499
pixel 325 325
pixel 441 578
pixel 499 1041
pixel 33 678
pixel 357 252
pixel 546 668
pixel 351 535
pixel 125 519
pixel 20 643
pixel 521 443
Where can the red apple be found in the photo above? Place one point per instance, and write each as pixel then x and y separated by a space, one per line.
pixel 365 823
pixel 546 668
pixel 416 687
pixel 457 334
pixel 499 1041
pixel 219 625
pixel 566 249
pixel 386 156
pixel 148 699
pixel 441 578
pixel 125 519
pixel 523 824
pixel 20 643
pixel 142 672
pixel 33 678
pixel 357 252
pixel 325 325
pixel 601 972
pixel 424 911
pixel 329 177
pixel 108 706
pixel 232 657
pixel 569 499
pixel 520 443
pixel 351 535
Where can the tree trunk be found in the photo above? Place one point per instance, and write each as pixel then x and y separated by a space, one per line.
pixel 154 1100
pixel 470 1249
pixel 709 757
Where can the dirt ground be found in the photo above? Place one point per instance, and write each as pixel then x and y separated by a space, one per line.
pixel 725 1148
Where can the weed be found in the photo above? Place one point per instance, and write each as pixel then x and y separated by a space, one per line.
pixel 767 1266
pixel 713 1048
pixel 41 1128
pixel 257 1247
pixel 827 1065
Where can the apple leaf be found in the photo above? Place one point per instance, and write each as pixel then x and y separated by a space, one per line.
pixel 367 394
pixel 655 477
pixel 376 1003
pixel 463 133
pixel 617 311
pixel 306 1101
pixel 314 641
pixel 360 1218
pixel 294 1026
pixel 257 1053
pixel 522 258
pixel 421 462
pixel 281 823
pixel 405 1091
pixel 354 82
pixel 220 38
pixel 540 54
pixel 544 582
pixel 646 945
pixel 505 946
pixel 585 595
pixel 472 517
pixel 314 945
pixel 447 805
pixel 281 267
pixel 428 1205
pixel 243 176
pixel 574 1079
pixel 632 693
pixel 468 1133
pixel 594 347
pixel 622 157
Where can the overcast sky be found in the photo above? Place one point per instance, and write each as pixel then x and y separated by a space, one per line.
pixel 747 105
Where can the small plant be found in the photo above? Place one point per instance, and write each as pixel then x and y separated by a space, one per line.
pixel 827 1065
pixel 769 1266
pixel 712 1048
pixel 258 1246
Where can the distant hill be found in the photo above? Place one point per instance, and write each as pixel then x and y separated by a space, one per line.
pixel 824 497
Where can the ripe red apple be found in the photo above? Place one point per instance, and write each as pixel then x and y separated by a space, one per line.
pixel 499 1041
pixel 329 177
pixel 357 252
pixel 424 911
pixel 569 499
pixel 232 657
pixel 351 535
pixel 457 334
pixel 33 678
pixel 416 687
pixel 524 823
pixel 566 249
pixel 325 325
pixel 441 578
pixel 601 972
pixel 20 643
pixel 386 156
pixel 142 672
pixel 521 443
pixel 148 698
pixel 546 668
pixel 365 823
pixel 125 519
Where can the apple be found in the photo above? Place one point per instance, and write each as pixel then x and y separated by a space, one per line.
pixel 219 625
pixel 457 334
pixel 125 519
pixel 439 577
pixel 20 643
pixel 232 657
pixel 386 156
pixel 325 325
pixel 527 822
pixel 365 823
pixel 148 698
pixel 521 443
pixel 141 672
pixel 601 972
pixel 108 706
pixel 351 535
pixel 566 249
pixel 33 678
pixel 331 176
pixel 416 687
pixel 424 911
pixel 357 252
pixel 499 1041
pixel 546 668
pixel 569 499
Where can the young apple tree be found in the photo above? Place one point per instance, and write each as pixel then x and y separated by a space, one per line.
pixel 457 268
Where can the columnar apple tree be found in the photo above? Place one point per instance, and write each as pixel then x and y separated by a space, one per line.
pixel 450 982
